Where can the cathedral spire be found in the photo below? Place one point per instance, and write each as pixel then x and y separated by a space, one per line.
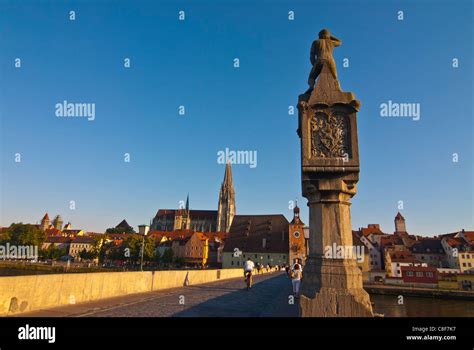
pixel 226 207
pixel 228 182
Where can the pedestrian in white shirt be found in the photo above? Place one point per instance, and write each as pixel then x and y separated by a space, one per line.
pixel 296 276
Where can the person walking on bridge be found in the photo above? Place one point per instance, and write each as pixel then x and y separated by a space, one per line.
pixel 296 276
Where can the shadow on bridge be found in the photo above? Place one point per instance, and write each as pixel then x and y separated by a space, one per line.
pixel 268 298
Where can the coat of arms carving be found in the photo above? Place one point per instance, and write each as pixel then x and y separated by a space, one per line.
pixel 330 135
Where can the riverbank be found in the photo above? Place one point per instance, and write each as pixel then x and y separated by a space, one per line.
pixel 8 268
pixel 419 292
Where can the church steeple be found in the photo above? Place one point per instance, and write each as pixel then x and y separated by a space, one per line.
pixel 226 207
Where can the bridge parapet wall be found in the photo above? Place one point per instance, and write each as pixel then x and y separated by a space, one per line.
pixel 19 294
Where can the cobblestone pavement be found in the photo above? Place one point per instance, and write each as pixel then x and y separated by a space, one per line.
pixel 269 297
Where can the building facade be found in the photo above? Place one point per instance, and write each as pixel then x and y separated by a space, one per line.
pixel 262 238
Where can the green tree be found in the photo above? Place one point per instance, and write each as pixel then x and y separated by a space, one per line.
pixel 88 254
pixel 120 230
pixel 167 257
pixel 53 252
pixel 24 234
pixel 157 256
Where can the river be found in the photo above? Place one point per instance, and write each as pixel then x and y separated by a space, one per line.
pixel 421 307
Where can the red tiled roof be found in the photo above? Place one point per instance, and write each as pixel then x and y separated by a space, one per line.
pixel 390 240
pixel 454 242
pixel 57 239
pixel 247 233
pixel 371 229
pixel 53 232
pixel 419 268
pixel 210 214
pixel 469 236
pixel 71 232
pixel 402 256
pixel 83 239
pixel 172 234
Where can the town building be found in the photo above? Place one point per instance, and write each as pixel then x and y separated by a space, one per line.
pixel 193 248
pixel 373 233
pixel 364 262
pixel 262 238
pixel 420 276
pixel 428 250
pixel 59 242
pixel 459 249
pixel 395 259
pixel 79 244
pixel 369 236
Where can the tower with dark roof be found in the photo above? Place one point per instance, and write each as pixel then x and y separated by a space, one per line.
pixel 400 225
pixel 297 241
pixel 45 222
pixel 226 206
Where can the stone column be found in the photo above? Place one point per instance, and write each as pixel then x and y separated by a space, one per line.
pixel 332 286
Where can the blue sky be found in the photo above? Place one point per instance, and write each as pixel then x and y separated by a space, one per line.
pixel 190 63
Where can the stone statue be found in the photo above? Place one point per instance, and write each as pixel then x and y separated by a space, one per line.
pixel 321 54
pixel 327 127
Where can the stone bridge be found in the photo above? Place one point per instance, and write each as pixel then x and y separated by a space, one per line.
pixel 269 297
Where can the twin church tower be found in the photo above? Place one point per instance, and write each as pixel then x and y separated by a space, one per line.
pixel 201 220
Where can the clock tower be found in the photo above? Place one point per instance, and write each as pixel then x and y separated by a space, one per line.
pixel 297 241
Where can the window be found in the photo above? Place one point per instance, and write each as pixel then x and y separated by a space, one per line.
pixel 419 274
pixel 429 274
pixel 410 273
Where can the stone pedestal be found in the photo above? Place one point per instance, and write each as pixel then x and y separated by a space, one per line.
pixel 330 171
